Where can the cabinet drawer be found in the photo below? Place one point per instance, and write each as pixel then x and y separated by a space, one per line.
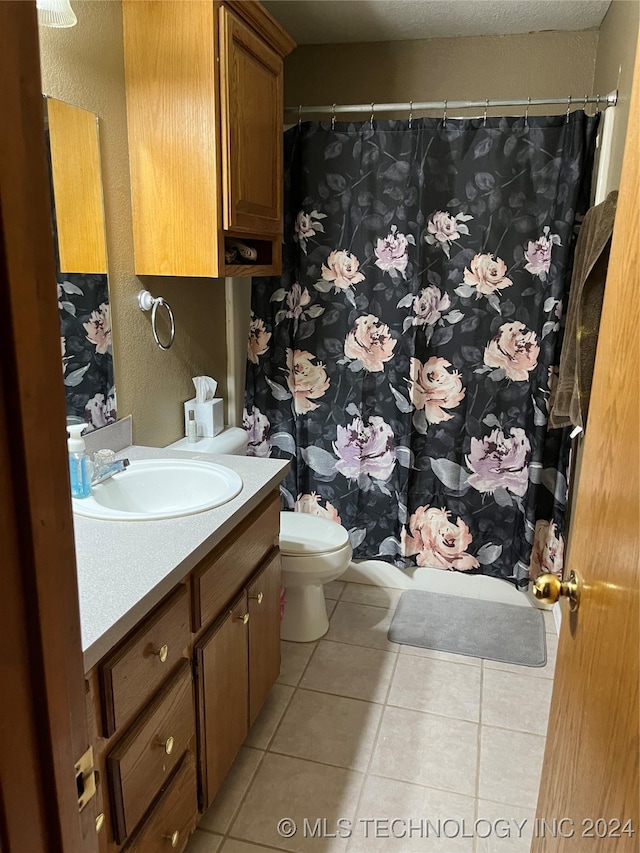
pixel 175 812
pixel 221 576
pixel 130 677
pixel 144 759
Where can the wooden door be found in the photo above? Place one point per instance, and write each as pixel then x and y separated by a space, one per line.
pixel 251 97
pixel 43 729
pixel 223 696
pixel 264 634
pixel 590 774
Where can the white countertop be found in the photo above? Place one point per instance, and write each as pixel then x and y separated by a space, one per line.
pixel 125 568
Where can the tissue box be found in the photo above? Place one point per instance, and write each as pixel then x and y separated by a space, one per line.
pixel 209 416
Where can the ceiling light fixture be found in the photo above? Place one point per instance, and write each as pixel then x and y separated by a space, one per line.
pixel 55 13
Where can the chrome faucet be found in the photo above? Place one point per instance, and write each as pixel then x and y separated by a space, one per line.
pixel 104 472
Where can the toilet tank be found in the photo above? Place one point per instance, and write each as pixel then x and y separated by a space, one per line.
pixel 232 440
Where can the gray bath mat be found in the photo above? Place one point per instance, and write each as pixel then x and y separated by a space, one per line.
pixel 468 626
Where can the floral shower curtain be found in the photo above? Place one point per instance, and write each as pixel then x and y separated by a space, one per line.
pixel 405 359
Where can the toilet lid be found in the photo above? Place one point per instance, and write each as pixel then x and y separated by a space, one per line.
pixel 301 533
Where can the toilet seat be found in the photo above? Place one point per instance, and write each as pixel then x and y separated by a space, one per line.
pixel 302 534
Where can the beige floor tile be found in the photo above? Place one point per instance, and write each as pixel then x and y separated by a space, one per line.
pixel 361 625
pixel 437 687
pixel 438 752
pixel 376 596
pixel 437 655
pixel 274 707
pixel 510 766
pixel 511 828
pixel 334 589
pixel 232 845
pixel 329 729
pixel 549 622
pixel 220 814
pixel 514 701
pixel 547 671
pixel 203 842
pixel 392 817
pixel 293 659
pixel 360 673
pixel 287 787
pixel 330 604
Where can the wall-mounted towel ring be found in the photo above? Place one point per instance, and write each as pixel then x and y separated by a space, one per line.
pixel 147 302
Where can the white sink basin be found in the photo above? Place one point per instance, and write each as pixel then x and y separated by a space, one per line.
pixel 160 488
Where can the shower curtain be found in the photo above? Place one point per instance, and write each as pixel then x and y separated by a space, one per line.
pixel 405 359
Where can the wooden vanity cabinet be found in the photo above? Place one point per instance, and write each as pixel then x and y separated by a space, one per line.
pixel 204 91
pixel 169 708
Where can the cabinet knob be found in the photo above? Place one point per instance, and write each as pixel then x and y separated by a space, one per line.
pixel 100 821
pixel 259 597
pixel 167 745
pixel 163 653
pixel 244 619
pixel 174 838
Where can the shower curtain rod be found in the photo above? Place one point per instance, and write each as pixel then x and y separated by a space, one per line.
pixel 609 100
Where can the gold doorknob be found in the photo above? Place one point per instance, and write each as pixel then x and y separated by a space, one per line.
pixel 100 821
pixel 163 653
pixel 259 597
pixel 173 838
pixel 244 619
pixel 167 745
pixel 549 588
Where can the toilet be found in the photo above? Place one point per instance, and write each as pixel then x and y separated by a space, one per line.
pixel 314 551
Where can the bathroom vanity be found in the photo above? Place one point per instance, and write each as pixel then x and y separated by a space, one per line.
pixel 179 657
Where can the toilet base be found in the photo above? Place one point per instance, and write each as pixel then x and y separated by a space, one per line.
pixel 305 614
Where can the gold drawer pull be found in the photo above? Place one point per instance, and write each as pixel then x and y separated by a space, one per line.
pixel 259 597
pixel 167 745
pixel 173 838
pixel 163 653
pixel 100 821
pixel 244 619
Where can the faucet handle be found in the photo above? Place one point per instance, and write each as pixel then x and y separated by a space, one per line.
pixel 102 458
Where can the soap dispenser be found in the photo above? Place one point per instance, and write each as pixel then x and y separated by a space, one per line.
pixel 79 462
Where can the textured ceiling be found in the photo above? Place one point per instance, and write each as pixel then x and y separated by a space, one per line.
pixel 334 21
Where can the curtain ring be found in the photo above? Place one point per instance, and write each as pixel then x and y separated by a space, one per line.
pixel 444 114
pixel 526 113
pixel 372 116
pixel 333 117
pixel 410 114
pixel 484 118
pixel 597 105
pixel 568 107
pixel 299 115
pixel 584 106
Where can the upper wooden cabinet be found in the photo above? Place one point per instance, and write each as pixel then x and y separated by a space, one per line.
pixel 204 110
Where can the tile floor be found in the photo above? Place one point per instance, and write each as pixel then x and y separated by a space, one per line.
pixel 365 731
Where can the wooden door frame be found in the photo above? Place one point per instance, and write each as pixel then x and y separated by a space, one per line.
pixel 43 727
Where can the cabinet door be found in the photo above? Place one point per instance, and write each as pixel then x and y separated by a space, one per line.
pixel 252 126
pixel 223 703
pixel 264 634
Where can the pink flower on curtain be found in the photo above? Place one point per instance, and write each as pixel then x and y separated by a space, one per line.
pixel 547 554
pixel 538 253
pixel 297 299
pixel 430 305
pixel 434 388
pixel 443 229
pixel 487 274
pixel 500 462
pixel 515 349
pixel 365 450
pixel 437 542
pixel 98 329
pixel 306 381
pixel 307 225
pixel 341 270
pixel 311 505
pixel 370 341
pixel 258 342
pixel 257 427
pixel 391 252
